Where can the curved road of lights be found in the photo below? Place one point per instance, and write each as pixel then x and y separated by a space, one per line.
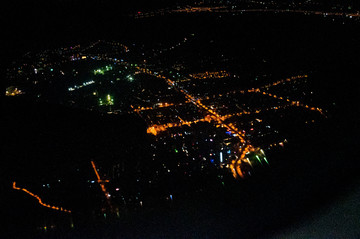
pixel 39 199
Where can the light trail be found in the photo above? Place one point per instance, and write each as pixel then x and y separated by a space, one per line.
pixel 223 9
pixel 292 78
pixel 155 129
pixel 258 111
pixel 126 48
pixel 292 102
pixel 101 183
pixel 162 105
pixel 283 81
pixel 159 106
pixel 39 199
pixel 210 75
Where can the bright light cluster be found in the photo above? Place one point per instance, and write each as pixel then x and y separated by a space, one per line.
pixel 101 71
pixel 76 87
pixel 109 100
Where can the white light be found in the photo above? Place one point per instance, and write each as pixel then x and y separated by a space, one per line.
pixel 221 157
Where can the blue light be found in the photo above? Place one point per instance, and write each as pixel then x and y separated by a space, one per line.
pixel 212 160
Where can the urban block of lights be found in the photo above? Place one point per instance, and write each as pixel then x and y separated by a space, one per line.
pixel 246 154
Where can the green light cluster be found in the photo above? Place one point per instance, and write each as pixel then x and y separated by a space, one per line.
pixel 130 78
pixel 109 100
pixel 101 71
pixel 257 157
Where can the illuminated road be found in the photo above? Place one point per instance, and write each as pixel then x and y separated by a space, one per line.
pixel 39 199
pixel 291 102
pixel 158 106
pixel 293 78
pixel 210 75
pixel 155 129
pixel 245 147
pixel 101 183
pixel 197 102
